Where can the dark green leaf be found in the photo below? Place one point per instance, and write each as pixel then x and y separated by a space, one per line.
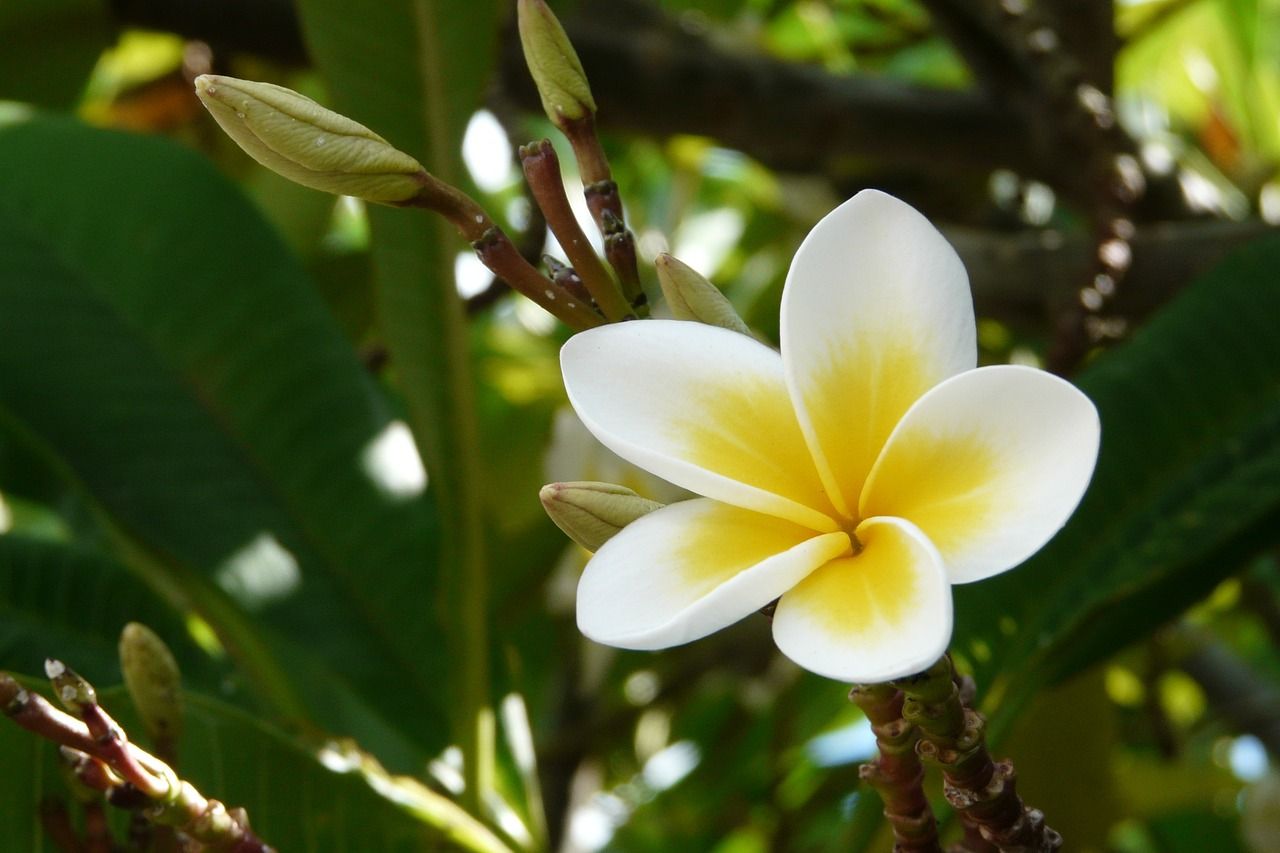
pixel 60 602
pixel 1187 486
pixel 414 71
pixel 161 347
pixel 50 46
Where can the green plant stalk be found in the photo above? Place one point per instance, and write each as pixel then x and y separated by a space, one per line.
pixel 388 70
pixel 445 417
pixel 421 320
pixel 982 791
pixel 897 774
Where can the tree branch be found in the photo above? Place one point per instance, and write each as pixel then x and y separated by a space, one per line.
pixel 649 76
pixel 1023 277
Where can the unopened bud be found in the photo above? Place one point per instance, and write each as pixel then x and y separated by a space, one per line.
pixel 72 690
pixel 294 136
pixel 692 297
pixel 592 513
pixel 154 682
pixel 12 695
pixel 553 63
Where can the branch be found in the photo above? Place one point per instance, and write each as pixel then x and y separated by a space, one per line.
pixel 650 77
pixel 102 758
pixel 1244 698
pixel 1024 277
pixel 265 27
pixel 982 791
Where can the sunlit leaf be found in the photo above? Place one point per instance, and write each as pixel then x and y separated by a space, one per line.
pixel 163 349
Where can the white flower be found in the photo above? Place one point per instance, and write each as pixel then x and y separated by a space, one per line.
pixel 856 476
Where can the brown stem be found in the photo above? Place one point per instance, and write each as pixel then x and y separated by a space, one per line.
pixel 34 713
pixel 498 253
pixel 91 775
pixel 542 172
pixel 982 791
pixel 114 748
pixel 620 250
pixel 567 277
pixel 605 205
pixel 897 773
pixel 101 756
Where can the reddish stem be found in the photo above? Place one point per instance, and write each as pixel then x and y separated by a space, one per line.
pixel 897 773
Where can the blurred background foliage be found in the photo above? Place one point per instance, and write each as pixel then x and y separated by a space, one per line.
pixel 212 380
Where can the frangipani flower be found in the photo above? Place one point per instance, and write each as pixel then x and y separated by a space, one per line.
pixel 854 477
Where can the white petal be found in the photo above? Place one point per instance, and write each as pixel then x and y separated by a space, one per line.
pixel 882 614
pixel 692 568
pixel 876 311
pixel 701 407
pixel 989 464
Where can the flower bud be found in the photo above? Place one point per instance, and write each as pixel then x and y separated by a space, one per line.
pixel 72 690
pixel 553 63
pixel 591 513
pixel 308 144
pixel 154 682
pixel 12 695
pixel 692 297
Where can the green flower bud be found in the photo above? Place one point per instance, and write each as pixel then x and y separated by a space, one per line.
pixel 561 82
pixel 72 690
pixel 308 144
pixel 12 695
pixel 153 680
pixel 692 297
pixel 591 513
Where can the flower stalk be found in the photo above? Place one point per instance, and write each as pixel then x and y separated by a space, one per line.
pixel 982 791
pixel 496 251
pixel 568 278
pixel 297 138
pixel 542 172
pixel 897 773
pixel 101 757
pixel 566 99
pixel 606 208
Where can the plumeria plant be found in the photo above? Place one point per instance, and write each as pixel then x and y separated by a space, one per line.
pixel 845 483
pixel 833 490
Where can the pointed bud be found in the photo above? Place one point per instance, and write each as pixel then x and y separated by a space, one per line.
pixel 12 695
pixel 553 63
pixel 72 690
pixel 592 513
pixel 154 682
pixel 692 297
pixel 308 144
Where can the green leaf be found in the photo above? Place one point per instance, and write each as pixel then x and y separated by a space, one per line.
pixel 62 602
pixel 295 802
pixel 167 354
pixel 1187 487
pixel 414 71
pixel 50 46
